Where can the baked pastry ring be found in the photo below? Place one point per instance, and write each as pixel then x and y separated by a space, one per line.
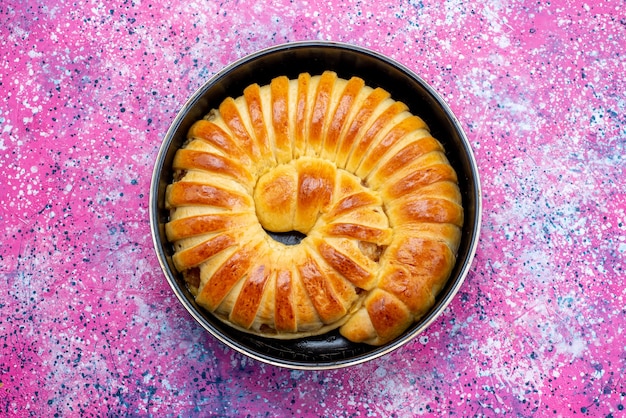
pixel 345 165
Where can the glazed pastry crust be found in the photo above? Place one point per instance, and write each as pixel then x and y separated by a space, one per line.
pixel 338 161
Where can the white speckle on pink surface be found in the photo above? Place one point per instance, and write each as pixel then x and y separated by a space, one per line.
pixel 89 324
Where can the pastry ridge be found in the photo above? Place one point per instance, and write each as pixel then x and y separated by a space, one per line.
pixel 342 163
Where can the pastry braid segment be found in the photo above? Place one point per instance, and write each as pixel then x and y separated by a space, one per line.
pixel 358 123
pixel 372 234
pixel 345 257
pixel 378 150
pixel 328 294
pixel 280 119
pixel 426 210
pixel 316 183
pixel 307 317
pixel 227 275
pixel 404 157
pixel 185 193
pixel 189 159
pixel 382 318
pixel 196 255
pixel 340 116
pixel 252 94
pixel 395 111
pixel 194 225
pixel 300 116
pixel 249 298
pixel 232 118
pixel 425 259
pixel 285 315
pixel 276 195
pixel 320 111
pixel 416 179
pixel 219 138
pixel 352 202
pixel 413 291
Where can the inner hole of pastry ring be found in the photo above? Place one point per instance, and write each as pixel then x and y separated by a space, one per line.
pixel 287 238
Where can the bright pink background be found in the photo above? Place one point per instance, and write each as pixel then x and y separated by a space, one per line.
pixel 89 324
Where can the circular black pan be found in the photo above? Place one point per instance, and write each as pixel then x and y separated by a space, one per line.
pixel 330 350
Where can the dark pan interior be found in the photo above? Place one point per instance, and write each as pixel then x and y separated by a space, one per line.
pixel 330 350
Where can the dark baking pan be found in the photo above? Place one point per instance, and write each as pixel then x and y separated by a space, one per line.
pixel 330 350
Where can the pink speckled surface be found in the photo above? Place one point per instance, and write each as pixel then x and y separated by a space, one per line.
pixel 89 325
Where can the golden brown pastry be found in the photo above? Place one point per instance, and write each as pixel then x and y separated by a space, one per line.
pixel 338 161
